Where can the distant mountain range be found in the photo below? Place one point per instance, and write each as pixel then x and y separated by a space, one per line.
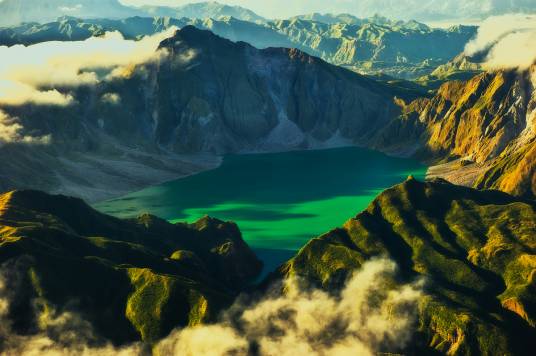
pixel 436 10
pixel 17 11
pixel 204 10
pixel 14 12
pixel 371 46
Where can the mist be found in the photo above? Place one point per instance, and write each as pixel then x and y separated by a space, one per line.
pixel 41 73
pixel 371 314
pixel 509 40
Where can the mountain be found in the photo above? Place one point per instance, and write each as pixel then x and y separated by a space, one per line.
pixel 371 46
pixel 18 11
pixel 484 128
pixel 333 19
pixel 475 250
pixel 138 279
pixel 204 10
pixel 399 49
pixel 461 67
pixel 131 279
pixel 436 10
pixel 210 96
pixel 67 28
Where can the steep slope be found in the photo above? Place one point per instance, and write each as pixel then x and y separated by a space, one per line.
pixel 18 11
pixel 461 67
pixel 132 279
pixel 487 123
pixel 377 45
pixel 207 95
pixel 475 249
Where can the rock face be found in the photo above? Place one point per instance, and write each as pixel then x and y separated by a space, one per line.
pixel 132 279
pixel 488 122
pixel 207 95
pixel 475 249
pixel 376 45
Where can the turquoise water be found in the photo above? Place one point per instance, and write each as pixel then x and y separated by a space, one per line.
pixel 280 200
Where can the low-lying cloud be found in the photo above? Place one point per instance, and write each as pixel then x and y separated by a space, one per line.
pixel 366 318
pixel 34 74
pixel 11 131
pixel 508 40
pixel 370 315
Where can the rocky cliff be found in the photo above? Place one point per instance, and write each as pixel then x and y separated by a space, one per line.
pixel 204 95
pixel 486 123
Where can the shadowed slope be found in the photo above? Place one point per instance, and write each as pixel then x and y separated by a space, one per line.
pixel 132 279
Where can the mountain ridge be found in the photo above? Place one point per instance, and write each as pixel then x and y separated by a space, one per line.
pixel 475 249
pixel 218 114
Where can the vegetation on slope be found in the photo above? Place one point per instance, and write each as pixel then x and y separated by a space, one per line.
pixel 125 276
pixel 475 249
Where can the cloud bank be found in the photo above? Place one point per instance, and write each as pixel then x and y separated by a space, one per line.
pixel 38 73
pixel 370 315
pixel 509 40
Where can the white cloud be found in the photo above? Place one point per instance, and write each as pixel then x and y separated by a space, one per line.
pixel 366 318
pixel 32 74
pixel 369 316
pixel 510 41
pixel 111 98
pixel 11 131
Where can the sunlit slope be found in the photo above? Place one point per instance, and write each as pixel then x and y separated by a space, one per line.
pixel 486 122
pixel 475 249
pixel 132 279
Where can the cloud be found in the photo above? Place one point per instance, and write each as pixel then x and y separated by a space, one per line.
pixel 370 315
pixel 37 74
pixel 366 318
pixel 57 333
pixel 11 131
pixel 111 98
pixel 508 40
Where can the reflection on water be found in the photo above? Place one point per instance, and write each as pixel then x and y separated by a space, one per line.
pixel 278 200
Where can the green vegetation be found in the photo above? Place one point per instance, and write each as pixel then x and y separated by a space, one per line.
pixel 117 273
pixel 475 249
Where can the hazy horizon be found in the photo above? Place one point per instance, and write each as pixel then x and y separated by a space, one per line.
pixel 269 9
pixel 430 10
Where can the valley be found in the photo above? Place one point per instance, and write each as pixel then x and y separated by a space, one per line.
pixel 280 200
pixel 210 179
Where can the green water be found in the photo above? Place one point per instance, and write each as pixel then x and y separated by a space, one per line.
pixel 279 201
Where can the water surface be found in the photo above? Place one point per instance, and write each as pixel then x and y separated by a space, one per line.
pixel 280 200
